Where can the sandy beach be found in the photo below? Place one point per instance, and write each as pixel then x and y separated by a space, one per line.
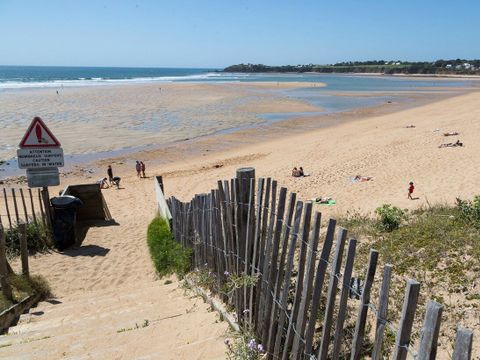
pixel 376 144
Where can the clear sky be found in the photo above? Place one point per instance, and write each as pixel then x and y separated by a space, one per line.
pixel 217 33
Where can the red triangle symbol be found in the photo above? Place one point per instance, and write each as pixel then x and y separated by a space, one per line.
pixel 38 135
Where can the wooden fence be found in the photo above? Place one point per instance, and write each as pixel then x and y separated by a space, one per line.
pixel 22 205
pixel 256 233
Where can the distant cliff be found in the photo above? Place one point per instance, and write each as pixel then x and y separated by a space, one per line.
pixel 439 67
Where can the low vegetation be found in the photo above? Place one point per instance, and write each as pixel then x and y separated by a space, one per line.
pixel 38 239
pixel 438 245
pixel 23 286
pixel 168 256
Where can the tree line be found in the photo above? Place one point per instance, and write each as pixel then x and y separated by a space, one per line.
pixel 440 67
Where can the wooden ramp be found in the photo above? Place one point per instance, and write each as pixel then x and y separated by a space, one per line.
pixel 94 204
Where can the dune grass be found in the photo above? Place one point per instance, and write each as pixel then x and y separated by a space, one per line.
pixel 23 286
pixel 38 239
pixel 168 256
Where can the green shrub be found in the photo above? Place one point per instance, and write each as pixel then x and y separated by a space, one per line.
pixel 167 255
pixel 470 210
pixel 38 239
pixel 390 216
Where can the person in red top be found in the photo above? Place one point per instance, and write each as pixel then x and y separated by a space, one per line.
pixel 410 190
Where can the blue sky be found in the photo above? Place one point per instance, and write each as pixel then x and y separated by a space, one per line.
pixel 180 33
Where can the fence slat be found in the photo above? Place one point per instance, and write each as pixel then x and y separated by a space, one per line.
pixel 23 248
pixel 273 269
pixel 24 206
pixel 308 287
pixel 292 323
pixel 406 321
pixel 382 312
pixel 279 268
pixel 287 279
pixel 342 307
pixel 7 208
pixel 463 344
pixel 363 308
pixel 317 289
pixel 6 289
pixel 263 293
pixel 332 293
pixel 15 206
pixel 431 328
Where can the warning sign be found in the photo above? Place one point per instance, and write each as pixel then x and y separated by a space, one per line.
pixel 40 158
pixel 38 135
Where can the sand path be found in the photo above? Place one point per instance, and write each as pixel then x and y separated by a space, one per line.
pixel 106 289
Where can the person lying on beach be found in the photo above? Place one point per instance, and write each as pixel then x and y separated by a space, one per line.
pixel 103 183
pixel 323 200
pixel 361 178
pixel 455 144
pixel 450 134
pixel 410 126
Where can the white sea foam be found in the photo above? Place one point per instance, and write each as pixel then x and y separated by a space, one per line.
pixel 101 81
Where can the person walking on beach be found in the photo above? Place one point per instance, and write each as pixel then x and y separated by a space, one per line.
pixel 110 174
pixel 142 167
pixel 411 187
pixel 138 167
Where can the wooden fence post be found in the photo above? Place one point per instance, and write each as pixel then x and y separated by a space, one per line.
pixel 6 289
pixel 406 320
pixel 23 248
pixel 463 344
pixel 24 205
pixel 431 328
pixel 382 312
pixel 363 308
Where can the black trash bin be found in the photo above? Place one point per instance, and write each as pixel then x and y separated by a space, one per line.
pixel 64 218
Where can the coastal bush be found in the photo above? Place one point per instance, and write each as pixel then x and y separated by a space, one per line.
pixel 470 210
pixel 167 255
pixel 38 239
pixel 390 216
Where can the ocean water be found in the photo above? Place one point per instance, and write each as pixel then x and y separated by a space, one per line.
pixel 117 112
pixel 18 77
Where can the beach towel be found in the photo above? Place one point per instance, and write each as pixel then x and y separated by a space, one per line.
pixel 328 202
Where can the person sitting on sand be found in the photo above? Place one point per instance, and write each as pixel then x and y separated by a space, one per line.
pixel 296 172
pixel 455 144
pixel 103 183
pixel 411 187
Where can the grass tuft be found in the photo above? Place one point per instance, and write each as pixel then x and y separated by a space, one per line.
pixel 168 256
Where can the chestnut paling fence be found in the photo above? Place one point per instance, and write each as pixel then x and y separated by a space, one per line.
pixel 22 205
pixel 290 287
